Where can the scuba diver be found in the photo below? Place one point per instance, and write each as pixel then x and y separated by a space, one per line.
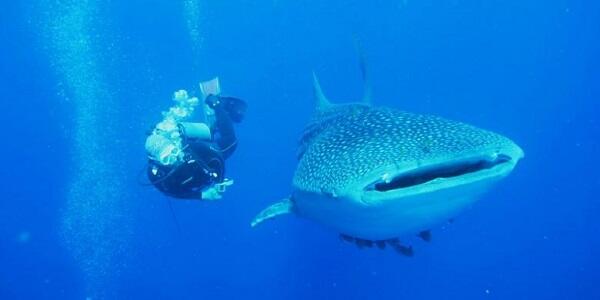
pixel 186 160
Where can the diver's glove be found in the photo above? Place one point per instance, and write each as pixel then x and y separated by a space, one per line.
pixel 222 187
pixel 216 191
pixel 211 194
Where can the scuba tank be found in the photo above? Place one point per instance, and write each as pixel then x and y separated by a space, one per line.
pixel 199 131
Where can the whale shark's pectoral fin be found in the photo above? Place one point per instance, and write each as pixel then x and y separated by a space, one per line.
pixel 282 207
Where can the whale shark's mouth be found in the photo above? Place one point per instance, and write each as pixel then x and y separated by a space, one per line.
pixel 440 171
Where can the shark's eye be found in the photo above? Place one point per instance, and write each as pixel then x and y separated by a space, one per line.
pixel 426 174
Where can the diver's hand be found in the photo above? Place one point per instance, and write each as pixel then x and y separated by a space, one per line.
pixel 222 187
pixel 216 191
pixel 211 194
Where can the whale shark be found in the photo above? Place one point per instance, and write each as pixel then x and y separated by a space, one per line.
pixel 374 174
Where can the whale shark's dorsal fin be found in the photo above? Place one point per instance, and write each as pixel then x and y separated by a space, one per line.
pixel 366 99
pixel 321 101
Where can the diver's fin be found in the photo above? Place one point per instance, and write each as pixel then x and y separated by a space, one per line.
pixel 321 101
pixel 366 99
pixel 210 87
pixel 282 207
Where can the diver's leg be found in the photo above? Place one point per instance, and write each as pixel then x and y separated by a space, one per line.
pixel 226 140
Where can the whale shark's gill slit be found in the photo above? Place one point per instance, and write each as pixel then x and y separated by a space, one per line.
pixel 424 175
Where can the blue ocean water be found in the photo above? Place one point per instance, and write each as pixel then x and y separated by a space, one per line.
pixel 83 81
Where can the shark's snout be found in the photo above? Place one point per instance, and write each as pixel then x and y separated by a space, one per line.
pixel 463 169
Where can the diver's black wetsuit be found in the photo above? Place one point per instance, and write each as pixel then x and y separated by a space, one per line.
pixel 204 162
pixel 224 134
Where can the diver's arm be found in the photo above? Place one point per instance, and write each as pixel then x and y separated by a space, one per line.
pixel 227 111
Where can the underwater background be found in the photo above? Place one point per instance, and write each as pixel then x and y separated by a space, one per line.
pixel 82 82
